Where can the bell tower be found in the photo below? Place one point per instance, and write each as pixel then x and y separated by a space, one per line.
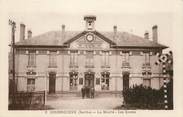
pixel 90 22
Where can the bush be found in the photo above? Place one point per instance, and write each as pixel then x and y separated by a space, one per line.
pixel 144 97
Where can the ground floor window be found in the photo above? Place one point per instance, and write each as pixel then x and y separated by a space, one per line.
pixel 30 85
pixel 105 81
pixel 147 82
pixel 146 78
pixel 73 81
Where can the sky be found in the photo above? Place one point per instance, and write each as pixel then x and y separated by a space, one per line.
pixel 135 16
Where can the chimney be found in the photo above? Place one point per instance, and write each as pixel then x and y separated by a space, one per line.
pixel 22 32
pixel 29 34
pixel 115 29
pixel 115 33
pixel 155 33
pixel 146 35
pixel 63 32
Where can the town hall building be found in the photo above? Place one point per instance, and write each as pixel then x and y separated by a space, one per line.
pixel 65 61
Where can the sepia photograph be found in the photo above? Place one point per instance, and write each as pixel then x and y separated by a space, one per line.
pixel 90 57
pixel 84 69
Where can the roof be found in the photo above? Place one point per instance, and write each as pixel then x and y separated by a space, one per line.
pixel 54 38
pixel 125 39
pixel 49 38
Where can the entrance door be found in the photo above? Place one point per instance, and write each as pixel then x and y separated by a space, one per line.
pixel 52 78
pixel 89 80
pixel 125 81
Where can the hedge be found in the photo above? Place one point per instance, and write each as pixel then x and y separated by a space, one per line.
pixel 140 96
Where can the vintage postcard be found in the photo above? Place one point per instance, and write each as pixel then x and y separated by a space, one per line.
pixel 91 58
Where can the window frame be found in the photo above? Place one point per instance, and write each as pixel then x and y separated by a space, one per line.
pixel 32 58
pixel 125 56
pixel 53 59
pixel 74 58
pixel 147 57
pixel 105 82
pixel 105 59
pixel 73 82
pixel 89 59
pixel 31 84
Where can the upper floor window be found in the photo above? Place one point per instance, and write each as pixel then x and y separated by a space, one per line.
pixel 125 56
pixel 32 59
pixel 105 58
pixel 53 59
pixel 146 67
pixel 74 58
pixel 89 59
pixel 125 60
pixel 147 57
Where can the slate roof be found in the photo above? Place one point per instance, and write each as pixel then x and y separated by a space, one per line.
pixel 126 39
pixel 49 38
pixel 54 38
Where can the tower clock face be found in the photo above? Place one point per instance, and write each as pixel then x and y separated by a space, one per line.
pixel 90 37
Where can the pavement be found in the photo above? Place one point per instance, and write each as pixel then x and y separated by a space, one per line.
pixel 87 103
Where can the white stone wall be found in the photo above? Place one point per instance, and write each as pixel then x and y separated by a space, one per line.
pixel 116 83
pixel 22 84
pixel 58 84
pixel 40 84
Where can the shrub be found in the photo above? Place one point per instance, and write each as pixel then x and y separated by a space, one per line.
pixel 144 97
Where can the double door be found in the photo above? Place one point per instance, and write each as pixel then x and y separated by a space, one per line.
pixel 89 80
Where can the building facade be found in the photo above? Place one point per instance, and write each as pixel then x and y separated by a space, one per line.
pixel 59 61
